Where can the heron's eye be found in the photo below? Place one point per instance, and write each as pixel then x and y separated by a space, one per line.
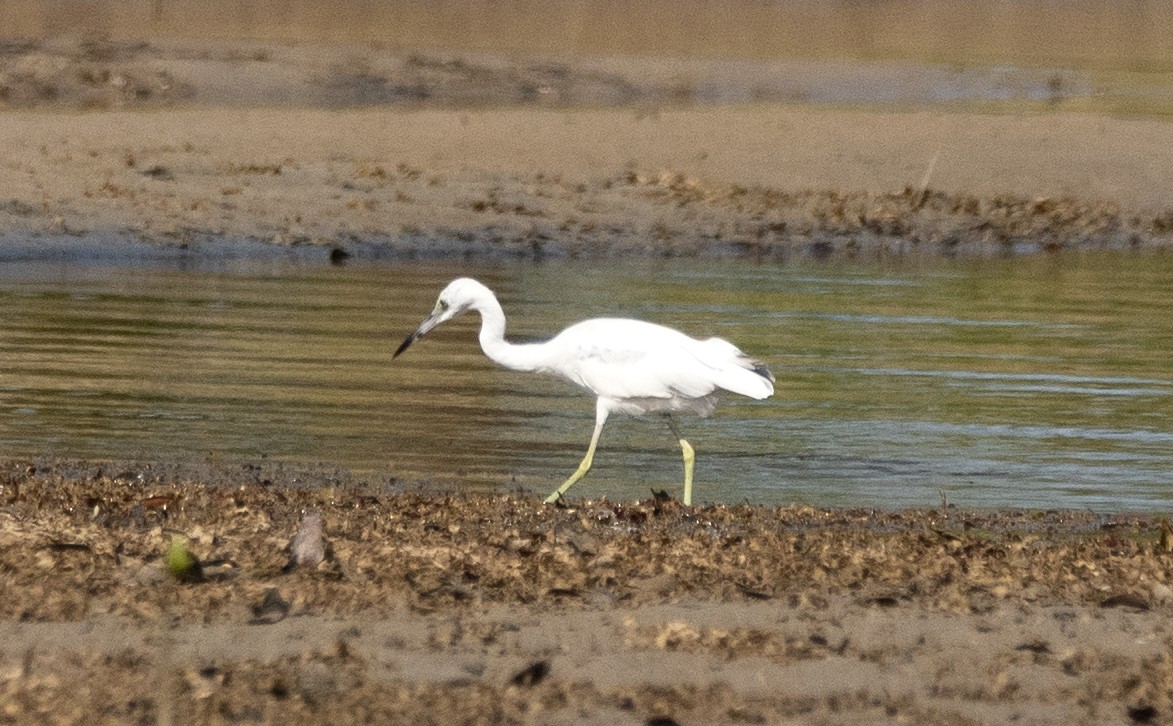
pixel 443 305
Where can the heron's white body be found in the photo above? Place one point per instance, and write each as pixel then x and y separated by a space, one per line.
pixel 640 367
pixel 632 366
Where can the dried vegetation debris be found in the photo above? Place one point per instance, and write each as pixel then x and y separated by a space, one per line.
pixel 93 73
pixel 770 221
pixel 431 607
pixel 75 546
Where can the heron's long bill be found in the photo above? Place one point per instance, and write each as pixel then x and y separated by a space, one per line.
pixel 432 321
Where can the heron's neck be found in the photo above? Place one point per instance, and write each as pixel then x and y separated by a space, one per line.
pixel 499 350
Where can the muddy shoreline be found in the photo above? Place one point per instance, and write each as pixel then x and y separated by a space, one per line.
pixel 448 184
pixel 133 149
pixel 429 606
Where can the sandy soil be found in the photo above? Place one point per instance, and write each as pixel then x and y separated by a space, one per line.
pixel 488 159
pixel 431 607
pixel 438 608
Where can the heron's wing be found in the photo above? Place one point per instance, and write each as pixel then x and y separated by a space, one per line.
pixel 623 359
pixel 625 373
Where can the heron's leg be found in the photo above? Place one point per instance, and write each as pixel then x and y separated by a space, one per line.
pixel 601 412
pixel 689 458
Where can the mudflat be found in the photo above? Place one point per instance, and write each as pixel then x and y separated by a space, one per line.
pixel 394 154
pixel 767 182
pixel 421 606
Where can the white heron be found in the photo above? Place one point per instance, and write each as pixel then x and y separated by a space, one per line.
pixel 634 367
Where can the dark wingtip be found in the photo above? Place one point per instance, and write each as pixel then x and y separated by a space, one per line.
pixel 404 345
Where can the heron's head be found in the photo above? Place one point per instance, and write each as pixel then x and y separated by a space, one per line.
pixel 458 297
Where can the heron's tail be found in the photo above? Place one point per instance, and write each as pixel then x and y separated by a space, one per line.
pixel 737 372
pixel 749 378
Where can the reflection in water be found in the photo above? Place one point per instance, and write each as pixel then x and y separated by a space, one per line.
pixel 1038 382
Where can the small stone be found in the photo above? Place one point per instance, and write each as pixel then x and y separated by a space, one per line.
pixel 308 548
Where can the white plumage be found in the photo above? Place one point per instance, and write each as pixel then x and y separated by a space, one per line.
pixel 632 366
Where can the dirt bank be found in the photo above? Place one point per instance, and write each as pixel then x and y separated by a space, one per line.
pixel 764 182
pixel 110 143
pixel 430 607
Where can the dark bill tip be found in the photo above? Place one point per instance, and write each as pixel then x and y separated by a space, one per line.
pixel 404 345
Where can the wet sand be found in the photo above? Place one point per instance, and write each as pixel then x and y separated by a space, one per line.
pixel 435 607
pixel 431 606
pixel 537 183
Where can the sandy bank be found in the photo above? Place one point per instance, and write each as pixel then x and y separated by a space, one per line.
pixel 430 154
pixel 763 181
pixel 431 607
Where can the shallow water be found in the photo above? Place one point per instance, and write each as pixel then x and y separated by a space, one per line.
pixel 1031 382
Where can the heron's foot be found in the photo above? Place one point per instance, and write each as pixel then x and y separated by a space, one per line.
pixel 553 498
pixel 579 473
pixel 689 460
